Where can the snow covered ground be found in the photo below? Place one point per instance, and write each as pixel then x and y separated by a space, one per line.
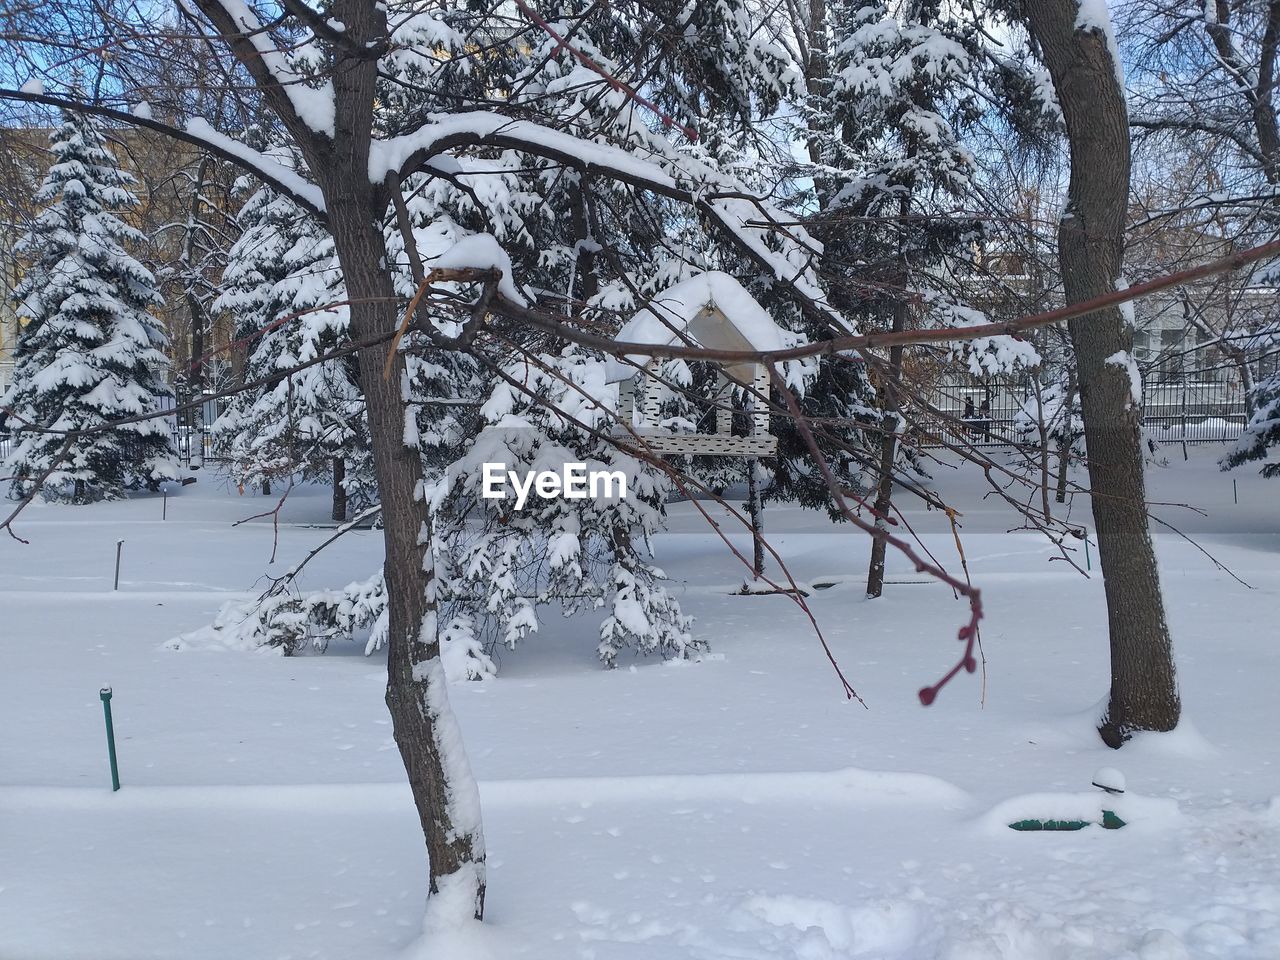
pixel 734 808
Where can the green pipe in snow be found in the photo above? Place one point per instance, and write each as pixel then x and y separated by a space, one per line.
pixel 105 695
pixel 1109 822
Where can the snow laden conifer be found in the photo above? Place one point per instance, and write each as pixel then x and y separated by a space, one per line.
pixel 283 286
pixel 1261 435
pixel 89 352
pixel 498 562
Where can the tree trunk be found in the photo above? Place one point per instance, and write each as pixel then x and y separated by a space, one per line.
pixel 444 790
pixel 817 74
pixel 1065 439
pixel 339 512
pixel 199 319
pixel 417 696
pixel 755 510
pixel 1043 430
pixel 888 454
pixel 1144 693
pixel 1241 360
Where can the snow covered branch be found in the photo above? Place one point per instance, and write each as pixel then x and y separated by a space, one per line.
pixel 199 134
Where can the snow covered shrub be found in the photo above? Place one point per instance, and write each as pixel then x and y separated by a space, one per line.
pixel 497 564
pixel 1064 427
pixel 293 621
pixel 89 353
pixel 1261 435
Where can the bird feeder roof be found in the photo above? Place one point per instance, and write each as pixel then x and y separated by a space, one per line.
pixel 710 310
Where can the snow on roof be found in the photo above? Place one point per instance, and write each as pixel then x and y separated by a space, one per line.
pixel 710 310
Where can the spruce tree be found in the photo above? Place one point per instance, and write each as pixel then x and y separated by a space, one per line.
pixel 1262 433
pixel 89 352
pixel 284 286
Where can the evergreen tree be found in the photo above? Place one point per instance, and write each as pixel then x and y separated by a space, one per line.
pixel 1261 435
pixel 498 563
pixel 890 168
pixel 283 285
pixel 89 352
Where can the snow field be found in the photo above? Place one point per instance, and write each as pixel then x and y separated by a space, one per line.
pixel 731 808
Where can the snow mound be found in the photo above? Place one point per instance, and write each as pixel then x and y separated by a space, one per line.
pixel 888 928
pixel 1184 742
pixel 1154 813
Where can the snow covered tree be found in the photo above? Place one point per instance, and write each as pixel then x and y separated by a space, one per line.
pixel 898 85
pixel 89 352
pixel 1261 436
pixel 499 561
pixel 284 287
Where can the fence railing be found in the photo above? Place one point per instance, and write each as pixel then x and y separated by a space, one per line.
pixel 184 441
pixel 1005 414
pixel 983 415
pixel 182 429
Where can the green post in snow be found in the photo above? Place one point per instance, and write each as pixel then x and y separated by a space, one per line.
pixel 105 694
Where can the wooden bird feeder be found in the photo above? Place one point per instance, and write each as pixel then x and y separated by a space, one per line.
pixel 711 310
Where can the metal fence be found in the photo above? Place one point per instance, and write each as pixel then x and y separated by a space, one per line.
pixel 182 429
pixel 184 441
pixel 984 414
pixel 1173 411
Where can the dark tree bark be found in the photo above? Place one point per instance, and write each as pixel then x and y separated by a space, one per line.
pixel 416 695
pixel 1065 440
pixel 1042 429
pixel 1144 692
pixel 339 511
pixel 888 454
pixel 198 316
pixel 755 511
pixel 425 731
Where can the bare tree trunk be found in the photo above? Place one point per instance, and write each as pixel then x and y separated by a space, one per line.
pixel 417 697
pixel 888 454
pixel 755 509
pixel 1241 360
pixel 425 730
pixel 891 419
pixel 339 511
pixel 1065 438
pixel 1144 692
pixel 198 317
pixel 1043 430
